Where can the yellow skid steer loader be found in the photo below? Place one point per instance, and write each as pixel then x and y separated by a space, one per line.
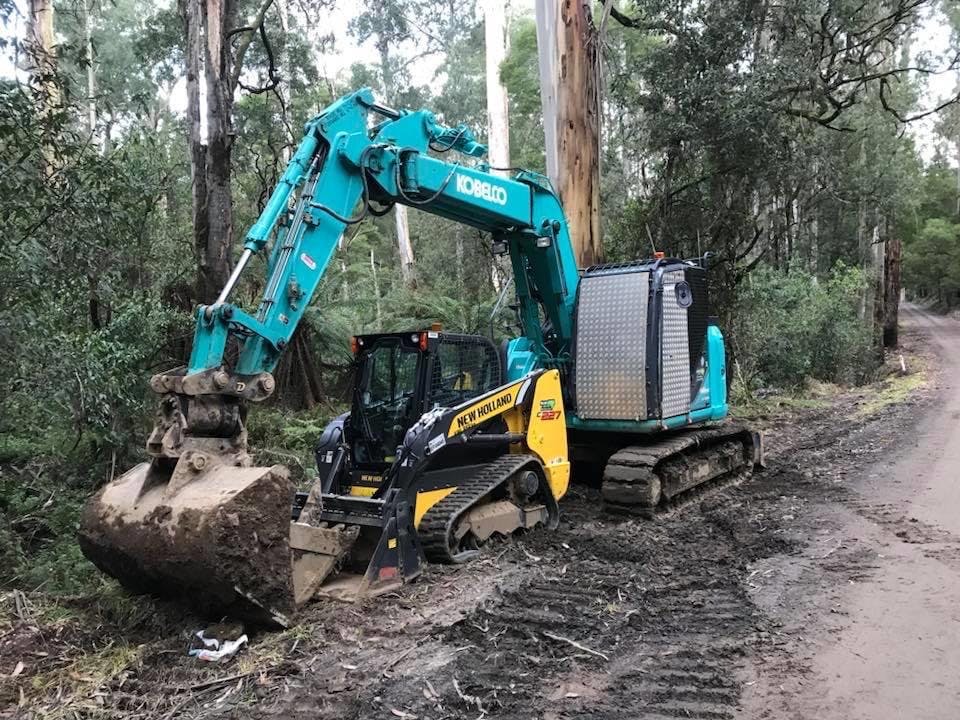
pixel 435 457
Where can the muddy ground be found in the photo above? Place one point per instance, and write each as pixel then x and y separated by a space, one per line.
pixel 717 612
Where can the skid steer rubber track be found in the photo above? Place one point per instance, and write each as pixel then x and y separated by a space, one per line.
pixel 656 479
pixel 439 524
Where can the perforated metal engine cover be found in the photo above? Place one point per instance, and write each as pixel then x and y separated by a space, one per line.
pixel 675 352
pixel 610 356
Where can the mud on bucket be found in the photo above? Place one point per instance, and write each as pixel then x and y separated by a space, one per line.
pixel 216 535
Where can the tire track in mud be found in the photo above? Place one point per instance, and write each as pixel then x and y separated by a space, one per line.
pixel 631 619
pixel 613 618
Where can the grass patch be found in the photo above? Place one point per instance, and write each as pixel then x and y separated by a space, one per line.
pixel 88 672
pixel 775 404
pixel 814 396
pixel 895 389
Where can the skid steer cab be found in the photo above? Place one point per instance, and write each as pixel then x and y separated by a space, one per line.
pixel 436 455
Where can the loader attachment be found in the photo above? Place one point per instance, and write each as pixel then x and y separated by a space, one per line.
pixel 354 547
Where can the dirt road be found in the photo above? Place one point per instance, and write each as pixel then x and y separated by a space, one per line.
pixel 825 587
pixel 895 653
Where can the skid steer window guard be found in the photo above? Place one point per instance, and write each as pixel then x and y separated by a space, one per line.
pixel 386 395
pixel 464 367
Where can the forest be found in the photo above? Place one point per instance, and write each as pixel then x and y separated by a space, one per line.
pixel 140 139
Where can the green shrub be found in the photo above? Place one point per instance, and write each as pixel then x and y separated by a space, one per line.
pixel 38 526
pixel 791 325
pixel 279 436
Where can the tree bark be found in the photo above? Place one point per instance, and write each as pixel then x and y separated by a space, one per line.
pixel 498 106
pixel 376 291
pixel 407 268
pixel 547 18
pixel 41 64
pixel 401 223
pixel 91 72
pixel 206 24
pixel 495 46
pixel 891 290
pixel 863 244
pixel 567 48
pixel 40 40
pixel 879 281
pixel 216 261
pixel 191 14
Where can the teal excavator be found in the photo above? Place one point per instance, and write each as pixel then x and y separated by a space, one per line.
pixel 449 440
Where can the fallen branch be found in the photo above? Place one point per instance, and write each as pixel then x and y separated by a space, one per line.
pixel 575 644
pixel 530 555
pixel 216 681
pixel 469 699
pixel 190 698
pixel 400 657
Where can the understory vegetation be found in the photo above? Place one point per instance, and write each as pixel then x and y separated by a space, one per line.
pixel 791 326
pixel 712 141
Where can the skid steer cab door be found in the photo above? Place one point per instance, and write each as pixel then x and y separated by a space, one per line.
pixel 397 378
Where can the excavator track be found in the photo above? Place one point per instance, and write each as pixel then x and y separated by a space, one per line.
pixel 657 479
pixel 439 524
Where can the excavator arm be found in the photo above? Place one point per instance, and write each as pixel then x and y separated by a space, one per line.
pixel 342 164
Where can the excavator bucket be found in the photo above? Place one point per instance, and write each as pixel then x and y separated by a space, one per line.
pixel 218 535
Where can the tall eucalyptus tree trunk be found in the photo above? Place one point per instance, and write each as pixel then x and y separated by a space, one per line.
pixel 495 49
pixel 216 261
pixel 401 223
pixel 215 50
pixel 568 52
pixel 41 64
pixel 498 109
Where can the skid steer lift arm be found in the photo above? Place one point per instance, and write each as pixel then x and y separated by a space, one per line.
pixel 341 163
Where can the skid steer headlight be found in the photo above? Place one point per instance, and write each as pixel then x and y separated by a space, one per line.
pixel 544 242
pixel 499 247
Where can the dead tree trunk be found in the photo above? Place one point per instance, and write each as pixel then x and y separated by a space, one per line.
pixel 567 48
